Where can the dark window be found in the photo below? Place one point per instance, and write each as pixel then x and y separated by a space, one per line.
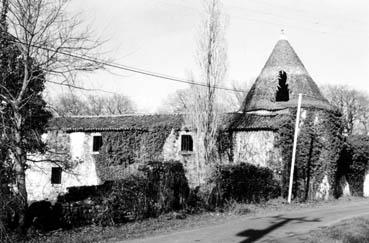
pixel 97 143
pixel 282 92
pixel 56 173
pixel 186 143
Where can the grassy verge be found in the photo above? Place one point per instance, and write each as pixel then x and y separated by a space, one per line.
pixel 353 230
pixel 174 222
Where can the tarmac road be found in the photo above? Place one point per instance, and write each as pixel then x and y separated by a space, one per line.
pixel 283 227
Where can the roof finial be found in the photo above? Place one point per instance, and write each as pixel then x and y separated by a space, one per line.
pixel 283 35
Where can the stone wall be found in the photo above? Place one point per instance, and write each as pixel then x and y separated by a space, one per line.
pixel 172 151
pixel 366 185
pixel 255 147
pixel 73 152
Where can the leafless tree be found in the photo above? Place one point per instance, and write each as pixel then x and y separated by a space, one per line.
pixel 176 102
pixel 116 104
pixel 241 90
pixel 227 100
pixel 70 104
pixel 353 104
pixel 50 42
pixel 203 113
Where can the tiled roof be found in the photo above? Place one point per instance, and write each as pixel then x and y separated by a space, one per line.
pixel 256 122
pixel 230 121
pixel 262 94
pixel 115 123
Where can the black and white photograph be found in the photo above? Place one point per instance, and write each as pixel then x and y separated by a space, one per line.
pixel 179 121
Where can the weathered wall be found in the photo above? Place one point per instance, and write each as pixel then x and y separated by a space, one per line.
pixel 255 147
pixel 79 166
pixel 323 191
pixel 366 186
pixel 172 151
pixel 345 187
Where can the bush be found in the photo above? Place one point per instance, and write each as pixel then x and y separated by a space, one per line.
pixel 9 204
pixel 160 187
pixel 81 193
pixel 243 183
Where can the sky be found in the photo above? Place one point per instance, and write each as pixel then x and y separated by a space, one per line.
pixel 331 37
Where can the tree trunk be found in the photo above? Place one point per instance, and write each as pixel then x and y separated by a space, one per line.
pixel 20 159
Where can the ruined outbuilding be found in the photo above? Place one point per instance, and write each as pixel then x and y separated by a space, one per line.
pixel 109 148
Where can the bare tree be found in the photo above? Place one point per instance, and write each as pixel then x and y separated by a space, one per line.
pixel 226 100
pixel 353 104
pixel 241 90
pixel 116 104
pixel 203 113
pixel 176 102
pixel 50 43
pixel 70 104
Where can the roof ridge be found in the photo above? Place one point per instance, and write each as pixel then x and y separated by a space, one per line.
pixel 283 59
pixel 122 115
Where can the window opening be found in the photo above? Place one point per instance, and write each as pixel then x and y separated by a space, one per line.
pixel 97 143
pixel 283 91
pixel 186 143
pixel 56 173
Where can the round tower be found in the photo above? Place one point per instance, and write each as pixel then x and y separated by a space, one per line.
pixel 281 80
pixel 263 131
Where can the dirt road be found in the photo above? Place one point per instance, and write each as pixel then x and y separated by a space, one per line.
pixel 282 227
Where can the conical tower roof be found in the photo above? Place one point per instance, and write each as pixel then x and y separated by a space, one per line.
pixel 262 95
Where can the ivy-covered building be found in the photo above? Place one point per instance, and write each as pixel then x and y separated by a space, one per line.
pixel 108 148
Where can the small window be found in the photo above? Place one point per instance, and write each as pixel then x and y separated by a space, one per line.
pixel 96 143
pixel 282 91
pixel 56 173
pixel 186 143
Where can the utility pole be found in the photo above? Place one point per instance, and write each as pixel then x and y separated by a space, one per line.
pixel 294 147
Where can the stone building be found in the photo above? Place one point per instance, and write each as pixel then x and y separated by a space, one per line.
pixel 108 148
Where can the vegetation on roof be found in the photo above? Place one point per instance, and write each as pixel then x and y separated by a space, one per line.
pixel 115 123
pixel 262 94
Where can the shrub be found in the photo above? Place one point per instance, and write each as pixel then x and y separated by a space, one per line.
pixel 242 183
pixel 160 187
pixel 9 204
pixel 81 193
pixel 169 184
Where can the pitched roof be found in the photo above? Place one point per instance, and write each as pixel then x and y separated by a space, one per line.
pixel 115 123
pixel 252 122
pixel 229 121
pixel 283 58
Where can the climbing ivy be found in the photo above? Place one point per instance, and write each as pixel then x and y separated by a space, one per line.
pixel 318 147
pixel 124 148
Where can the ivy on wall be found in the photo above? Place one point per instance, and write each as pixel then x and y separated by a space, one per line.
pixel 124 148
pixel 225 145
pixel 318 147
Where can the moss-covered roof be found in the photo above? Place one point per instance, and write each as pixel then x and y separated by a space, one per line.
pixel 115 123
pixel 229 121
pixel 254 122
pixel 263 92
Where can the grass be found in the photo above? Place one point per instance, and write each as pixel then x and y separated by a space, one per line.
pixel 175 222
pixel 355 230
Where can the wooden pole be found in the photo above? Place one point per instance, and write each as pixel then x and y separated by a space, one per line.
pixel 294 148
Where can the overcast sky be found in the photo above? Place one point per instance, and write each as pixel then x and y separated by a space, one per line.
pixel 331 38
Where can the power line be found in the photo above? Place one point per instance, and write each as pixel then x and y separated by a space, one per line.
pixel 79 87
pixel 130 68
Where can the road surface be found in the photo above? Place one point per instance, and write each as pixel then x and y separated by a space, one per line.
pixel 282 227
